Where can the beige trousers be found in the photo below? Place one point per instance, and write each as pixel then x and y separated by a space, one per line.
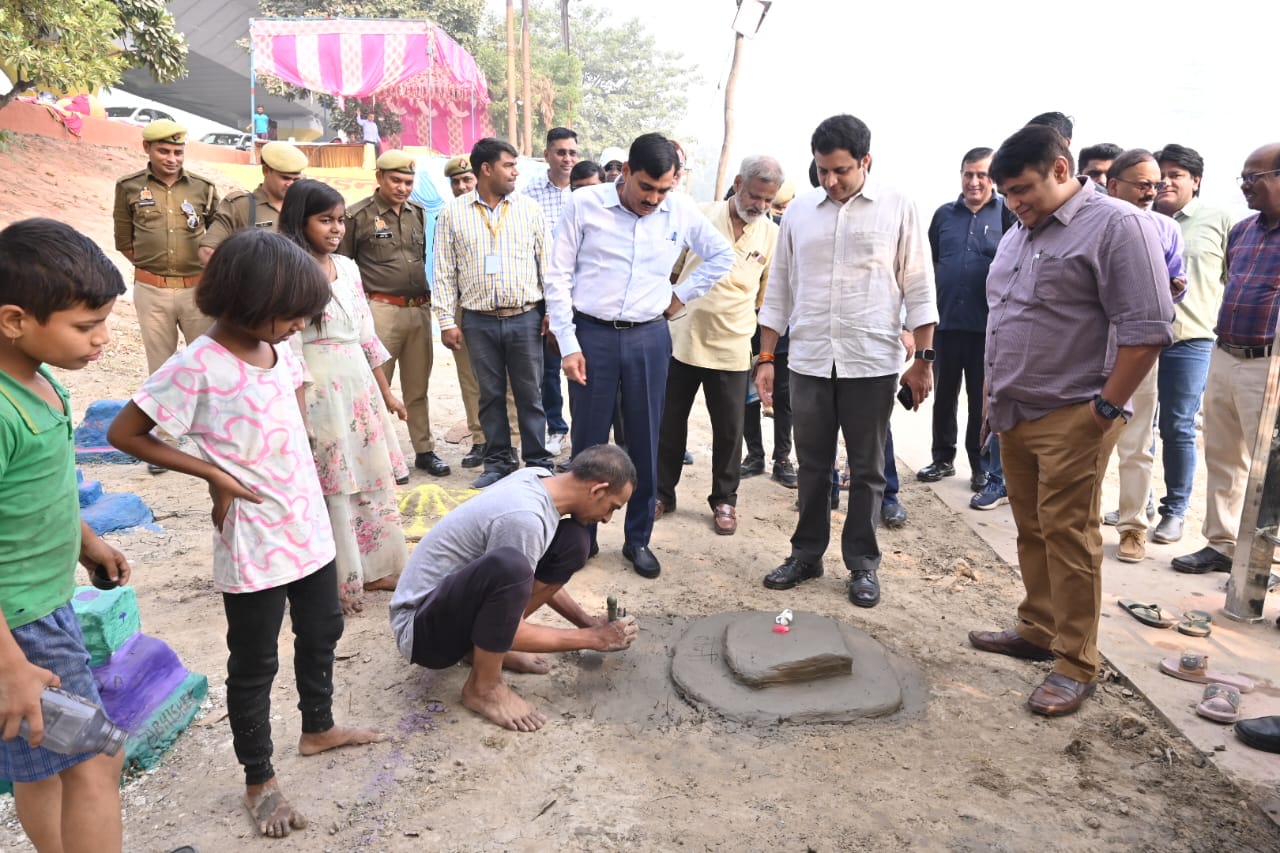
pixel 406 333
pixel 1232 410
pixel 1053 468
pixel 1134 452
pixel 162 312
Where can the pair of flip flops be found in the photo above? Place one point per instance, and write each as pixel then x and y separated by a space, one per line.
pixel 1194 623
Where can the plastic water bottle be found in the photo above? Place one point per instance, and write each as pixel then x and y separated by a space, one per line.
pixel 73 725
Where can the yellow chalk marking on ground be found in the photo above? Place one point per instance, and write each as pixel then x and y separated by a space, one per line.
pixel 422 506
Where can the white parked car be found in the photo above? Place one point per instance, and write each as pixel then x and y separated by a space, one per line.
pixel 136 115
pixel 240 141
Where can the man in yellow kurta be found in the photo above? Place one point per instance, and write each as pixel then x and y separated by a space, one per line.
pixel 711 342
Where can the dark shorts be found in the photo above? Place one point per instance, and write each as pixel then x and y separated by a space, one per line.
pixel 55 643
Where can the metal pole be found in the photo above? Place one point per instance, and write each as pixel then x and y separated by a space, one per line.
pixel 253 96
pixel 1256 541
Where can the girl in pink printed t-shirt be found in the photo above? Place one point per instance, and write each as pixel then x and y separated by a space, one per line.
pixel 236 391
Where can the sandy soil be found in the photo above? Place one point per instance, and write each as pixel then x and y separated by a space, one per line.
pixel 625 763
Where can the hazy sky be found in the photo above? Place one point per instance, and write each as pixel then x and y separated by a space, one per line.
pixel 934 79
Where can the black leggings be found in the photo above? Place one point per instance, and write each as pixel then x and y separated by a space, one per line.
pixel 253 631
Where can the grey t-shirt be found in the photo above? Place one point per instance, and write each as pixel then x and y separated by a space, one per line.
pixel 515 512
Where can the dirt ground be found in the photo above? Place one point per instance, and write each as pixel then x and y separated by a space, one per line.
pixel 624 762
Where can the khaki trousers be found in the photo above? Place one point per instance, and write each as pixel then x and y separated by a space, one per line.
pixel 1232 411
pixel 471 398
pixel 1053 468
pixel 406 333
pixel 1134 451
pixel 162 312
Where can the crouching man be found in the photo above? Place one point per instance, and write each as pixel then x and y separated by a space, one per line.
pixel 485 567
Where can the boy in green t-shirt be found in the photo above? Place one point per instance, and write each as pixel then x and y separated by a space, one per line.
pixel 56 290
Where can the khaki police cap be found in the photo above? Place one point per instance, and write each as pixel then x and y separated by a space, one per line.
pixel 163 130
pixel 457 166
pixel 395 161
pixel 284 157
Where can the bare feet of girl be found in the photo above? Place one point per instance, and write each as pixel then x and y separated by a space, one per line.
pixel 271 812
pixel 313 742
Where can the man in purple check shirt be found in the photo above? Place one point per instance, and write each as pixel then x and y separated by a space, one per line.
pixel 1079 310
pixel 1238 366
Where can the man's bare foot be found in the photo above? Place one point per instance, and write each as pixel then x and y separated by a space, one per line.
pixel 271 812
pixel 526 662
pixel 313 742
pixel 387 584
pixel 503 706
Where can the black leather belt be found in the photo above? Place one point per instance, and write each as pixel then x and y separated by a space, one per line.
pixel 1263 351
pixel 615 324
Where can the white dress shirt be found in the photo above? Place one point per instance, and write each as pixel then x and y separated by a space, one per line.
pixel 841 278
pixel 613 265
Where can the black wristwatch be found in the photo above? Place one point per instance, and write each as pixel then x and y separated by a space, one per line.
pixel 1107 410
pixel 926 354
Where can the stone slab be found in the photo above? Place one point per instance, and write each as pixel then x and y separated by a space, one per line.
pixel 107 619
pixel 812 649
pixel 701 675
pixel 91 435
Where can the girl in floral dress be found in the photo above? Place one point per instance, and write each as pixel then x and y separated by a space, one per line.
pixel 348 405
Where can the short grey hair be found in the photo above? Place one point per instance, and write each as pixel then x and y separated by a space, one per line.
pixel 762 167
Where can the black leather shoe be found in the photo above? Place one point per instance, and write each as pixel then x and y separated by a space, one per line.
pixel 785 473
pixel 402 481
pixel 1202 561
pixel 642 560
pixel 751 466
pixel 935 472
pixel 1260 733
pixel 892 515
pixel 792 572
pixel 432 464
pixel 977 481
pixel 864 588
pixel 475 456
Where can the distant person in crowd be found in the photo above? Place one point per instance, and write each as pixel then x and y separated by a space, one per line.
pixel 261 123
pixel 369 131
pixel 784 472
pixel 490 255
pixel 479 574
pixel 160 217
pixel 612 160
pixel 710 343
pixel 1095 161
pixel 1079 310
pixel 609 295
pixel 1238 366
pixel 586 173
pixel 462 180
pixel 1184 366
pixel 844 363
pixel 963 237
pixel 551 192
pixel 282 164
pixel 349 405
pixel 1135 177
pixel 57 289
pixel 386 237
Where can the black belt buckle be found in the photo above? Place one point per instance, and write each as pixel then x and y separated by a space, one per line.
pixel 623 324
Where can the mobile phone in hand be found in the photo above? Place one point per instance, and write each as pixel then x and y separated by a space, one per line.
pixel 905 397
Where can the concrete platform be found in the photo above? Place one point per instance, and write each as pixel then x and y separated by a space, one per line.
pixel 701 671
pixel 1132 648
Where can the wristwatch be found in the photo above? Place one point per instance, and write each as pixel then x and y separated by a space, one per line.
pixel 926 354
pixel 1107 410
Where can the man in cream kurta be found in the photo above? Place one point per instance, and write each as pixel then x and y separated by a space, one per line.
pixel 711 343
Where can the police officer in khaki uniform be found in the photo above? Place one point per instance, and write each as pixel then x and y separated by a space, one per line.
pixel 282 164
pixel 386 237
pixel 160 215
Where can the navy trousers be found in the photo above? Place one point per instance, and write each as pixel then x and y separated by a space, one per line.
pixel 634 361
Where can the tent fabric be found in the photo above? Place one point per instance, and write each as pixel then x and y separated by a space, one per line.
pixel 413 67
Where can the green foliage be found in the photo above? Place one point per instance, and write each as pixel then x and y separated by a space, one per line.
pixel 80 45
pixel 459 18
pixel 616 84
